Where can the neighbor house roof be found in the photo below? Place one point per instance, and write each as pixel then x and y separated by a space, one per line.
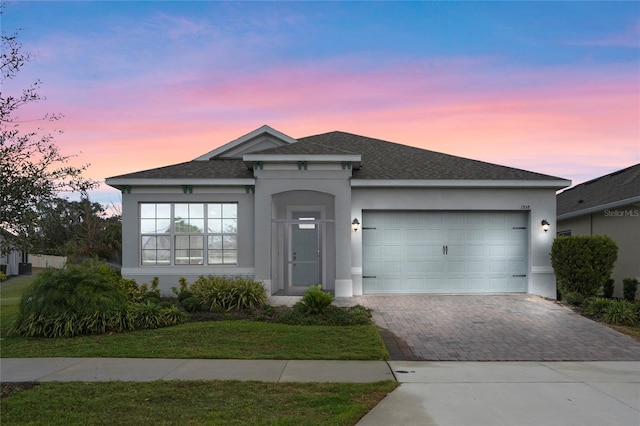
pixel 381 160
pixel 609 191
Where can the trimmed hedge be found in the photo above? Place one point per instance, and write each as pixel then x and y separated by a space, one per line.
pixel 583 264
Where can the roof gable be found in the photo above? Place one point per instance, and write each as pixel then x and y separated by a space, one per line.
pixel 375 162
pixel 620 187
pixel 260 139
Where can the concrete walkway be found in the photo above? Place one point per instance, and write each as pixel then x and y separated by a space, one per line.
pixel 149 369
pixel 431 393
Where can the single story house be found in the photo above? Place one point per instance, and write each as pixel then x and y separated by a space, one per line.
pixel 10 258
pixel 356 214
pixel 608 205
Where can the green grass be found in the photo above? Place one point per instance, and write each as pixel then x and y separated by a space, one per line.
pixel 10 294
pixel 213 339
pixel 192 402
pixel 216 339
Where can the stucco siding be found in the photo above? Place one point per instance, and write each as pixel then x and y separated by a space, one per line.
pixel 623 225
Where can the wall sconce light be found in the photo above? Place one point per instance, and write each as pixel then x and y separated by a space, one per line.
pixel 545 225
pixel 355 225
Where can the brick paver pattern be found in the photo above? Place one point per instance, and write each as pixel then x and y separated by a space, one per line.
pixel 493 328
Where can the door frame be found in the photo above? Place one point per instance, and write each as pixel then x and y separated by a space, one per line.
pixel 291 210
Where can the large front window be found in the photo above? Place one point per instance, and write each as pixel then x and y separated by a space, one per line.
pixel 189 233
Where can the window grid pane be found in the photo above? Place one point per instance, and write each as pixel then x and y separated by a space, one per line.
pixel 190 229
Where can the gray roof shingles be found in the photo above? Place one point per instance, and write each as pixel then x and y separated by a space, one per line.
pixel 380 160
pixel 617 186
pixel 214 169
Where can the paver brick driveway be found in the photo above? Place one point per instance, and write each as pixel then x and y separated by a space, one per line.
pixel 493 328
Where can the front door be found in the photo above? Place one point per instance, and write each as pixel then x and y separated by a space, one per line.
pixel 304 250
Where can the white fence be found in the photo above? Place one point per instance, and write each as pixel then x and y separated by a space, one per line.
pixel 46 261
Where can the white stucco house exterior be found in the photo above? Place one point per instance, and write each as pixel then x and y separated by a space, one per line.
pixel 284 211
pixel 10 257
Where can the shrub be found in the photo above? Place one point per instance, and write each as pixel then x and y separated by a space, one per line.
pixel 84 299
pixel 140 293
pixel 146 315
pixel 608 287
pixel 191 304
pixel 629 289
pixel 582 264
pixel 172 316
pixel 315 301
pixel 332 315
pixel 217 293
pixel 249 294
pixel 573 298
pixel 82 289
pixel 597 306
pixel 620 312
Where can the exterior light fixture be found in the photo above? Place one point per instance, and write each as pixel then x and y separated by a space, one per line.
pixel 355 225
pixel 545 225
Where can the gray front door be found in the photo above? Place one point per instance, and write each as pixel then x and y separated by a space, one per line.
pixel 304 250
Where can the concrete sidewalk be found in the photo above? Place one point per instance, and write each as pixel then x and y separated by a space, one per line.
pixel 149 369
pixel 431 393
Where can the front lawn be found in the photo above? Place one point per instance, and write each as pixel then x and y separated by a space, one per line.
pixel 207 339
pixel 192 402
pixel 213 339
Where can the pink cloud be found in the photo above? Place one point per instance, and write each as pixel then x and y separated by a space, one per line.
pixel 564 121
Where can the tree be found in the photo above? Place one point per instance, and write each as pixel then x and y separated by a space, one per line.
pixel 32 169
pixel 78 228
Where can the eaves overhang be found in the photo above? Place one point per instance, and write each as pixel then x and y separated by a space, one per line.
pixel 121 182
pixel 594 209
pixel 460 183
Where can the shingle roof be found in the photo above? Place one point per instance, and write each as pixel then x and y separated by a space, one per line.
pixel 215 169
pixel 388 160
pixel 617 186
pixel 308 147
pixel 380 160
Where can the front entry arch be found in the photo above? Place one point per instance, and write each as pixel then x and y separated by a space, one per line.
pixel 303 249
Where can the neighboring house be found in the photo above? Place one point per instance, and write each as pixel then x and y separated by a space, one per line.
pixel 9 257
pixel 608 205
pixel 284 211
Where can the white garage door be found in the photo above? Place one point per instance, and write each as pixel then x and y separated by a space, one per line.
pixel 444 252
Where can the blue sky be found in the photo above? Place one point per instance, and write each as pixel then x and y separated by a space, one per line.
pixel 546 86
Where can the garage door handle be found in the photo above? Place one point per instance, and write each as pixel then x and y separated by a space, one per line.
pixel 523 275
pixel 369 276
pixel 445 250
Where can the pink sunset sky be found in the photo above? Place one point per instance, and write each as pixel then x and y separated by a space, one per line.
pixel 144 84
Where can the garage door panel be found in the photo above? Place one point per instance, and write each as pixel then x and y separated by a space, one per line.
pixel 456 235
pixel 476 235
pixel 444 252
